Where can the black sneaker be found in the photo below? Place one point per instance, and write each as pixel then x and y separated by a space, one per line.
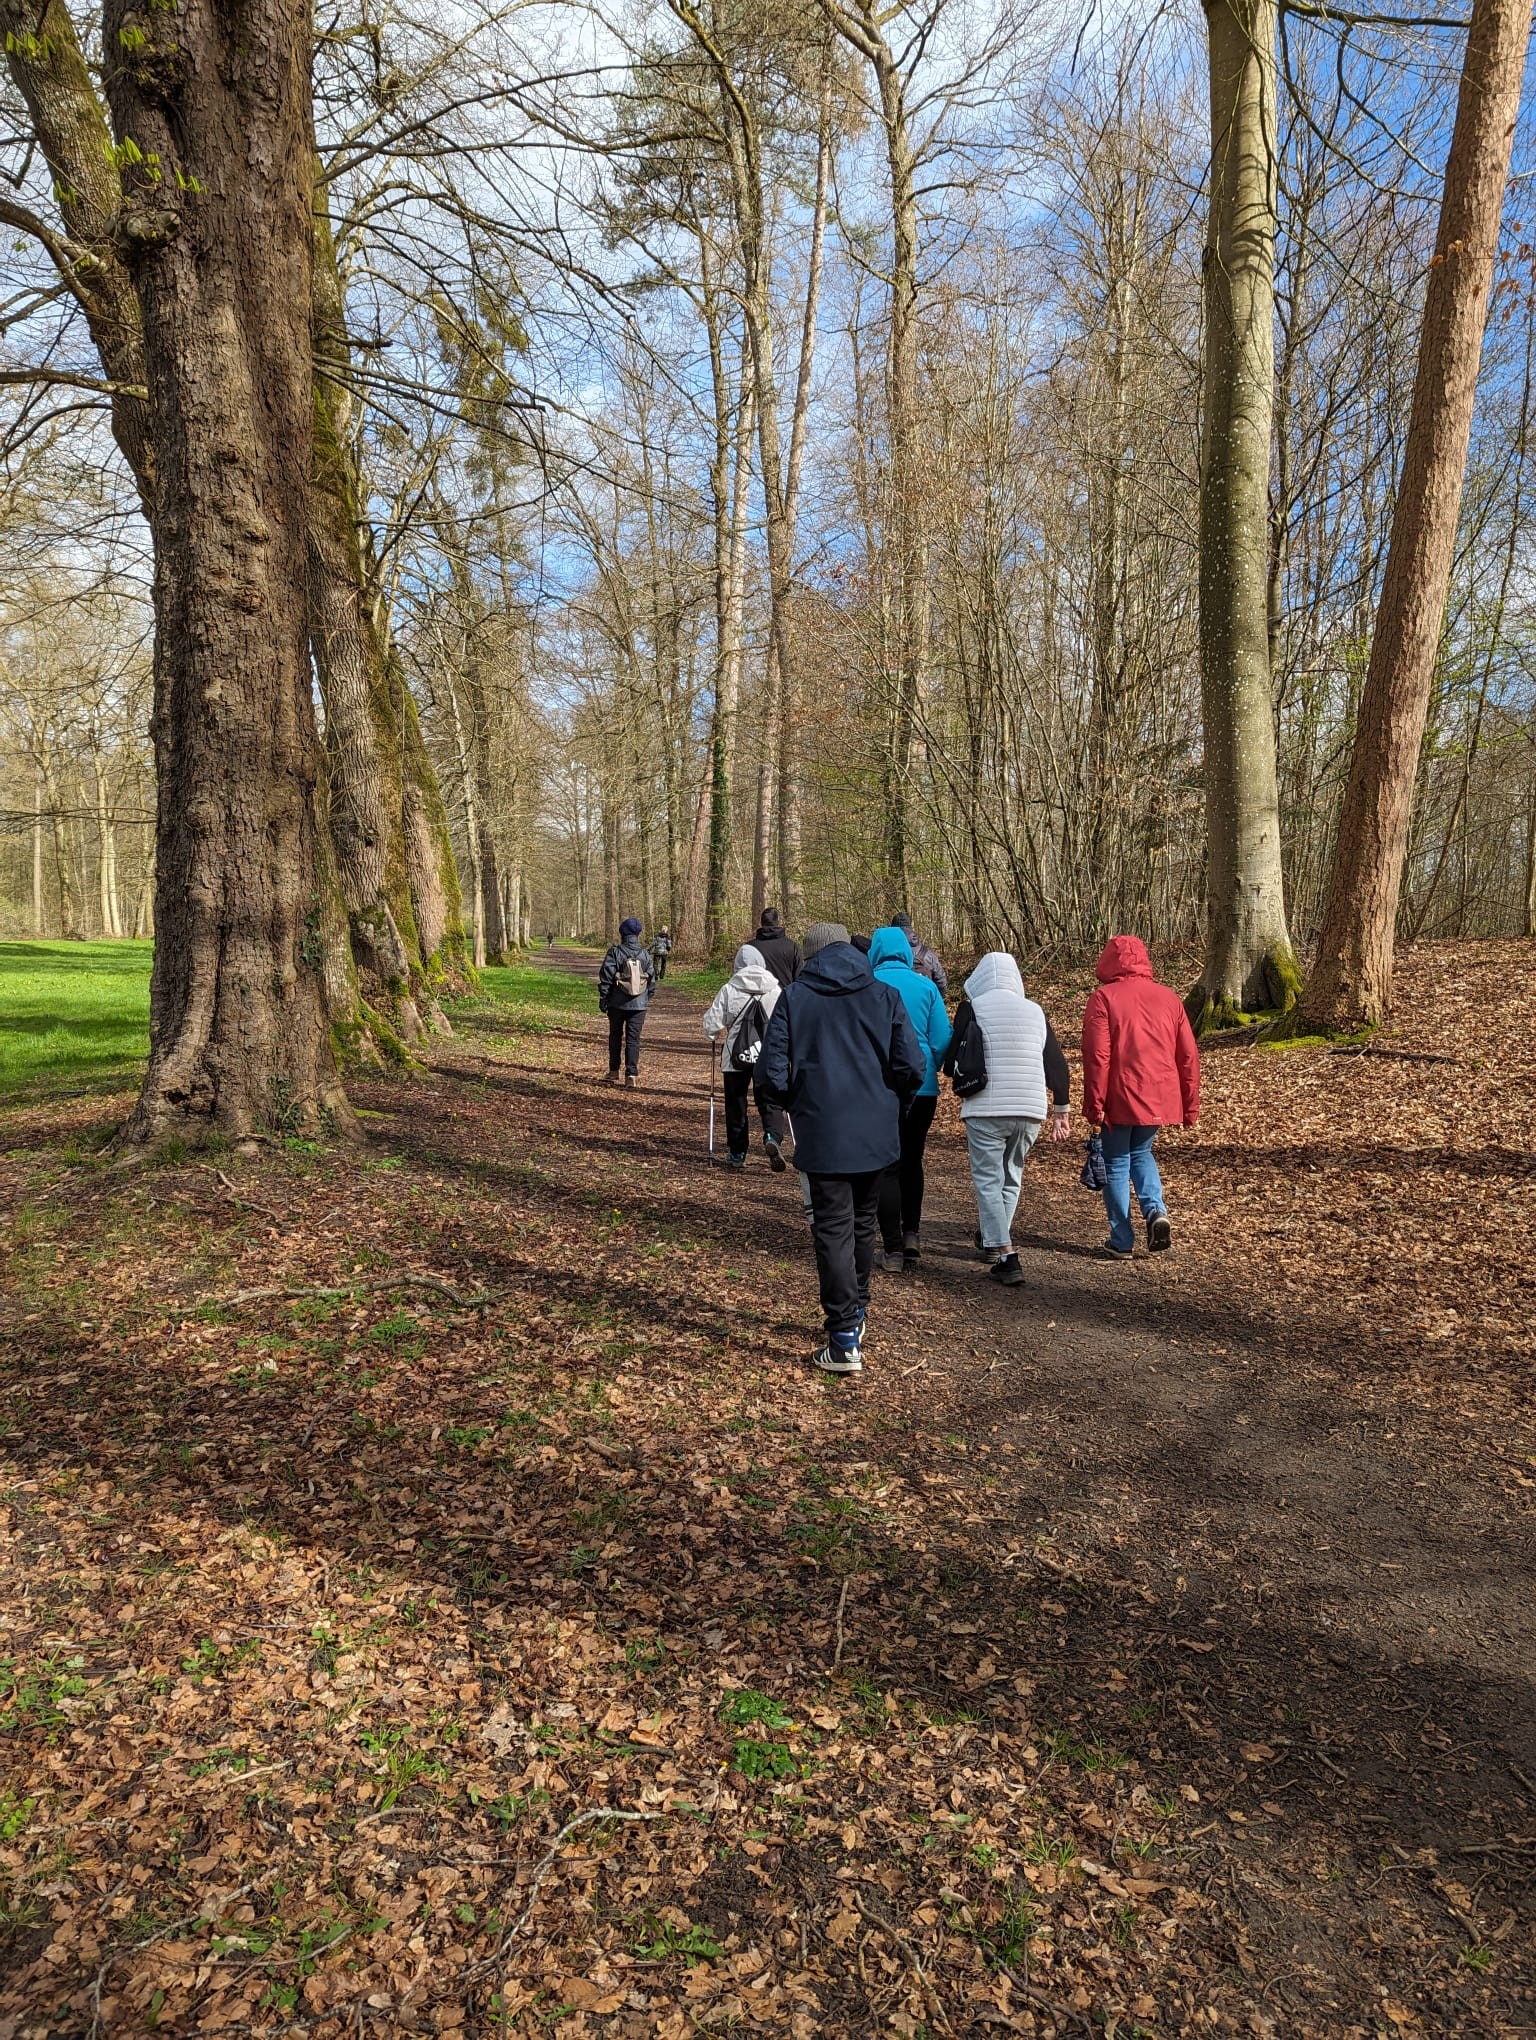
pixel 736 1163
pixel 1007 1271
pixel 840 1355
pixel 1159 1233
pixel 1110 1252
pixel 775 1155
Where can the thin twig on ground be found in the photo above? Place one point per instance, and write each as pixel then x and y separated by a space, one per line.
pixel 207 1911
pixel 878 1917
pixel 842 1603
pixel 232 1196
pixel 496 1960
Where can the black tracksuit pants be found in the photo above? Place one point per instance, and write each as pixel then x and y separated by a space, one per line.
pixel 737 1085
pixel 624 1038
pixel 901 1187
pixel 845 1216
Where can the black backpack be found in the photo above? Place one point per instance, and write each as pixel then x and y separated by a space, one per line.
pixel 968 1061
pixel 747 1041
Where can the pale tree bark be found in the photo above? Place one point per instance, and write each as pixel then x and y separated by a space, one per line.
pixel 743 148
pixel 216 219
pixel 1351 983
pixel 1249 961
pixel 37 853
pixel 904 539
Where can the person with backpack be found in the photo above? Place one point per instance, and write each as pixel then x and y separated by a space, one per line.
pixel 901 1188
pixel 625 980
pixel 839 1056
pixel 778 950
pixel 738 1018
pixel 1141 1072
pixel 661 949
pixel 1009 1073
pixel 924 960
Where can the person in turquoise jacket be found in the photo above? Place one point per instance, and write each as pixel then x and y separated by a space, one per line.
pixel 901 1188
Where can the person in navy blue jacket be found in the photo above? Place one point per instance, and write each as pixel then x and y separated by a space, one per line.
pixel 839 1056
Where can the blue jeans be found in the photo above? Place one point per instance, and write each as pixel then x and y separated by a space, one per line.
pixel 1128 1160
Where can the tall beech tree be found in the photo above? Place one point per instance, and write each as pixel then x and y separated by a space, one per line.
pixel 212 135
pixel 1351 983
pixel 1249 961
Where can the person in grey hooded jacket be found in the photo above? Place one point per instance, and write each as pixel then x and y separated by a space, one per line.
pixel 1027 1080
pixel 751 983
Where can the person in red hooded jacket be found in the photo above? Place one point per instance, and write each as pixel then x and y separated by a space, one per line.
pixel 1141 1071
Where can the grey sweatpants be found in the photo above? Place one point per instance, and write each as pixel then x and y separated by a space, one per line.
pixel 998 1148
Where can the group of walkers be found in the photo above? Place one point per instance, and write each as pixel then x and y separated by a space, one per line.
pixel 839 1042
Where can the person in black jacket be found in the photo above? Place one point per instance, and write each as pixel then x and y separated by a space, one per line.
pixel 777 949
pixel 839 1056
pixel 625 1006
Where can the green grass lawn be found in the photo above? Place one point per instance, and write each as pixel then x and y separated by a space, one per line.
pixel 72 1014
pixel 526 997
pixel 75 1015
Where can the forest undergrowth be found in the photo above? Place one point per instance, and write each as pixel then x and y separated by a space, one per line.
pixel 436 1597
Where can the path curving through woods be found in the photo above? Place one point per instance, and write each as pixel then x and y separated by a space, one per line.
pixel 1295 1560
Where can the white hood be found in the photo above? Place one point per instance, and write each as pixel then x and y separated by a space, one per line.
pixel 996 972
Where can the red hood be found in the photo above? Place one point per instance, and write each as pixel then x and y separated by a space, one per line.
pixel 1123 956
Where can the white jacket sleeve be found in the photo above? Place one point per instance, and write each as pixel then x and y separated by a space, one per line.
pixel 719 1014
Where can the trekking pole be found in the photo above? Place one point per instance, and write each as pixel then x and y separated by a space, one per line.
pixel 714 1059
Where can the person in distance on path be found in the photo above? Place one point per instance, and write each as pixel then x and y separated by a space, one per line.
pixel 1141 1072
pixel 661 949
pixel 778 950
pixel 1003 1119
pixel 840 1055
pixel 731 1019
pixel 901 1188
pixel 924 959
pixel 625 980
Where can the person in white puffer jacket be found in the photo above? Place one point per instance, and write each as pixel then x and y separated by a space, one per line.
pixel 750 981
pixel 1027 1080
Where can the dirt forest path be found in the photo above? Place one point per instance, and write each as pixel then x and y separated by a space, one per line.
pixel 437 1595
pixel 1315 1570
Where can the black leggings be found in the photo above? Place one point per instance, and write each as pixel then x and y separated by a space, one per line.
pixel 624 1034
pixel 901 1187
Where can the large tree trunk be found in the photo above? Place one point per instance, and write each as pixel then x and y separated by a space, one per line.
pixel 71 125
pixel 216 222
pixel 1249 960
pixel 1351 984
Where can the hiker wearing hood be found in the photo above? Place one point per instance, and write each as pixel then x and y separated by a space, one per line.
pixel 1002 1119
pixel 777 949
pixel 901 1187
pixel 839 1056
pixel 626 978
pixel 925 959
pixel 738 1018
pixel 1141 1072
